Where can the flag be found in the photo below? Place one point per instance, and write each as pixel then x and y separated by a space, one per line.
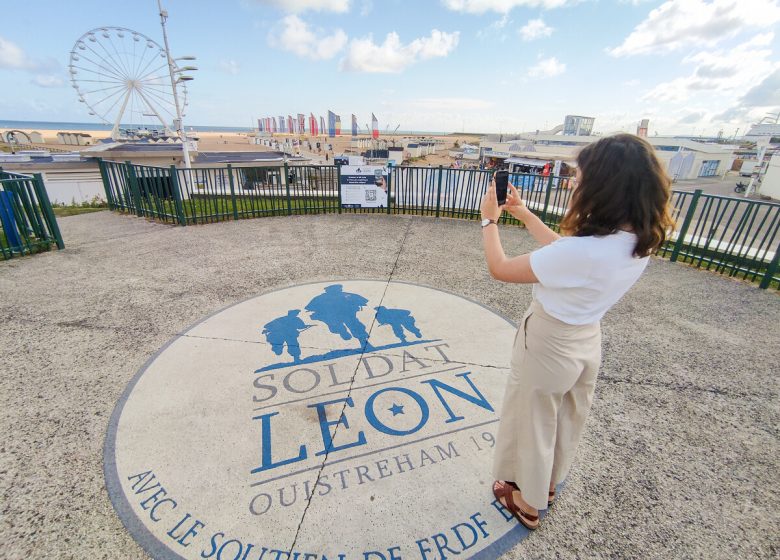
pixel 338 125
pixel 354 125
pixel 331 123
pixel 281 124
pixel 323 129
pixel 301 123
pixel 374 127
pixel 290 124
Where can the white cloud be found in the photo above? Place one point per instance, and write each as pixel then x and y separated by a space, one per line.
pixel 721 73
pixel 535 29
pixel 299 38
pixel 679 23
pixel 366 7
pixel 547 68
pixel 13 57
pixel 229 66
pixel 761 98
pixel 692 118
pixel 501 6
pixel 299 6
pixel 496 30
pixel 47 72
pixel 48 80
pixel 392 56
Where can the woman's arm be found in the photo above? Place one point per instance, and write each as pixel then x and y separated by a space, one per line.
pixel 517 208
pixel 517 269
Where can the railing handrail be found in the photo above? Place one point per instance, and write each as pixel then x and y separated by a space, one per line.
pixel 427 168
pixel 17 176
pixel 729 197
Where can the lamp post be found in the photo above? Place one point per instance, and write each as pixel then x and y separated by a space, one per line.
pixel 177 76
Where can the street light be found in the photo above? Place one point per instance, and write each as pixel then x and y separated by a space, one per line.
pixel 173 70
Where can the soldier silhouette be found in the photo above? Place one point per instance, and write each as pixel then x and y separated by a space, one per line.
pixel 338 310
pixel 285 330
pixel 398 319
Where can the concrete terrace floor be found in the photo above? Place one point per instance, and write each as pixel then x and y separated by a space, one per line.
pixel 680 458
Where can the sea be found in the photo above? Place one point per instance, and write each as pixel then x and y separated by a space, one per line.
pixel 47 125
pixel 51 125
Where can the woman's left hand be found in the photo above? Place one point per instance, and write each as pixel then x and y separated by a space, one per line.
pixel 489 207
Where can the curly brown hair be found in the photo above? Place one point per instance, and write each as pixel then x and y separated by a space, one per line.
pixel 622 186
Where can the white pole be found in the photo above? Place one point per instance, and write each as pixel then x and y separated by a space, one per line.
pixel 179 123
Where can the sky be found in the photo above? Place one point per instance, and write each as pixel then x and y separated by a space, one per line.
pixel 692 67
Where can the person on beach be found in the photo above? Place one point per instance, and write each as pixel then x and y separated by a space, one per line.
pixel 618 215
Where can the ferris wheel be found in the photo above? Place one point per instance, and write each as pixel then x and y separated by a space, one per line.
pixel 122 76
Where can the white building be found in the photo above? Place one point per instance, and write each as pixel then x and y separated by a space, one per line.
pixel 683 158
pixel 770 186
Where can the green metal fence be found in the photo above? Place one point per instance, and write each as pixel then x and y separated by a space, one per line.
pixel 730 235
pixel 27 221
pixel 733 236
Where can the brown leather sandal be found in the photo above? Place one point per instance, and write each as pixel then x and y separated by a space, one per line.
pixel 503 489
pixel 550 498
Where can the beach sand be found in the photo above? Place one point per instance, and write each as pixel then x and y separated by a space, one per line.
pixel 215 141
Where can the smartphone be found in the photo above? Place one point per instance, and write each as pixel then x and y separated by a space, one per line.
pixel 502 181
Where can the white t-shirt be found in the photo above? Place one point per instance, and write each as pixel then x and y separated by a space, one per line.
pixel 580 278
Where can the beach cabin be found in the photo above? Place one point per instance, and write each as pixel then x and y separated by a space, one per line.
pixel 395 154
pixel 428 147
pixel 413 150
pixel 36 137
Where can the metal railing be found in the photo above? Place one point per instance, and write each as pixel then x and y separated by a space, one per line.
pixel 27 221
pixel 733 236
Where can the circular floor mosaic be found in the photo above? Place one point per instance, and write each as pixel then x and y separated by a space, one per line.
pixel 348 420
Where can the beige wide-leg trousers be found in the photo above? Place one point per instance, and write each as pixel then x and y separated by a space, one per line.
pixel 547 400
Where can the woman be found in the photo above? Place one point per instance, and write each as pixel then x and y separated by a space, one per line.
pixel 617 216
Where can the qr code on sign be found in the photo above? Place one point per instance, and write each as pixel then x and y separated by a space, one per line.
pixel 371 195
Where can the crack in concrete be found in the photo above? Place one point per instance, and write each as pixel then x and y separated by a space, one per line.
pixel 319 348
pixel 349 392
pixel 679 387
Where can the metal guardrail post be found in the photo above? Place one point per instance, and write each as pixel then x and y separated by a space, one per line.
pixel 547 197
pixel 48 213
pixel 232 191
pixel 106 184
pixel 389 188
pixel 134 188
pixel 686 224
pixel 338 184
pixel 177 200
pixel 438 191
pixel 287 188
pixel 771 270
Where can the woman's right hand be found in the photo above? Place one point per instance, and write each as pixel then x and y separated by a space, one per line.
pixel 514 203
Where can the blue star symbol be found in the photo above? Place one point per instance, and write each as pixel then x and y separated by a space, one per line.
pixel 396 409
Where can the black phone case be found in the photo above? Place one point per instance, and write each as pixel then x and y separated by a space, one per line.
pixel 502 186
